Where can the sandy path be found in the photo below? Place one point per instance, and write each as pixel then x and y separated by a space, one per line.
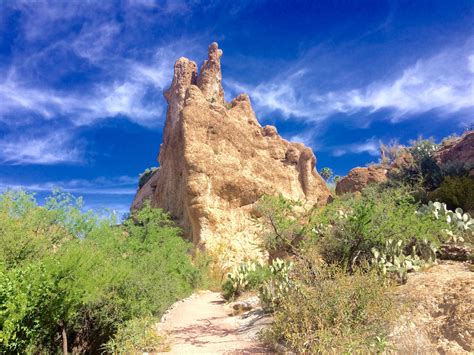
pixel 202 324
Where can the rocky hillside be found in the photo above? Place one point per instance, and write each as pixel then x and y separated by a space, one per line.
pixel 452 157
pixel 216 161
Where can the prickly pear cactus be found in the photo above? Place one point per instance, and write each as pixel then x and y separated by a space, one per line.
pixel 458 222
pixel 391 259
pixel 278 284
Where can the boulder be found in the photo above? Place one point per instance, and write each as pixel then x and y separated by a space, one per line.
pixel 216 161
pixel 359 178
pixel 458 154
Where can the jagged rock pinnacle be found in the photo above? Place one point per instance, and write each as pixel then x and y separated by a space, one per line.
pixel 216 161
pixel 210 76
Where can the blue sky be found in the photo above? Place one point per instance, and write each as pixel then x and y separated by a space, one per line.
pixel 81 82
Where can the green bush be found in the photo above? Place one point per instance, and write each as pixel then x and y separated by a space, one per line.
pixel 420 169
pixel 456 191
pixel 282 227
pixel 63 272
pixel 271 281
pixel 136 337
pixel 332 312
pixel 326 173
pixel 347 230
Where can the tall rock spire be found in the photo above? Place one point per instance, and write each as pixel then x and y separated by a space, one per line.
pixel 216 161
pixel 210 77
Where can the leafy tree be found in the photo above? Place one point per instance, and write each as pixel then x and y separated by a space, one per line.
pixel 326 173
pixel 69 279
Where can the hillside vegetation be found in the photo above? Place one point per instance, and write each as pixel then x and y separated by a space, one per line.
pixel 71 281
pixel 332 279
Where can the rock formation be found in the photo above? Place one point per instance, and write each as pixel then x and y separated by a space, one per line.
pixel 455 157
pixel 216 161
pixel 358 178
pixel 459 152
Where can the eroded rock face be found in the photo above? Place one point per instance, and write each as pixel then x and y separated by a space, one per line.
pixel 146 191
pixel 216 161
pixel 460 151
pixel 358 178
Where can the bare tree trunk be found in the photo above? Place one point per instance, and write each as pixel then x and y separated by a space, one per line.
pixel 64 335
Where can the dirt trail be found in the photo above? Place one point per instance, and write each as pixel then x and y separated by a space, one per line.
pixel 202 324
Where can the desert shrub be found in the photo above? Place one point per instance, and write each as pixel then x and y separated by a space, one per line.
pixel 70 278
pixel 453 138
pixel 208 276
pixel 390 152
pixel 332 311
pixel 456 168
pixel 456 191
pixel 137 336
pixel 145 176
pixel 347 230
pixel 282 227
pixel 421 170
pixel 271 281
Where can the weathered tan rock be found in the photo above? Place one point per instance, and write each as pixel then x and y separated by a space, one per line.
pixel 216 161
pixel 146 191
pixel 459 151
pixel 358 178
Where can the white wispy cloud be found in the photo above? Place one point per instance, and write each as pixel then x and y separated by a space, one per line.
pixel 370 146
pixel 443 82
pixel 53 148
pixel 95 40
pixel 103 195
pixel 127 84
pixel 127 98
pixel 121 185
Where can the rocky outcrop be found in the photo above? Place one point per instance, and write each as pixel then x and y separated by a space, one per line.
pixel 436 311
pixel 145 193
pixel 458 154
pixel 216 161
pixel 358 178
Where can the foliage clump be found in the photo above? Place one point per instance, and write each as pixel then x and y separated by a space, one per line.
pixel 419 168
pixel 332 311
pixel 347 230
pixel 248 276
pixel 332 293
pixel 326 173
pixel 282 224
pixel 270 281
pixel 137 336
pixel 71 280
pixel 456 192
